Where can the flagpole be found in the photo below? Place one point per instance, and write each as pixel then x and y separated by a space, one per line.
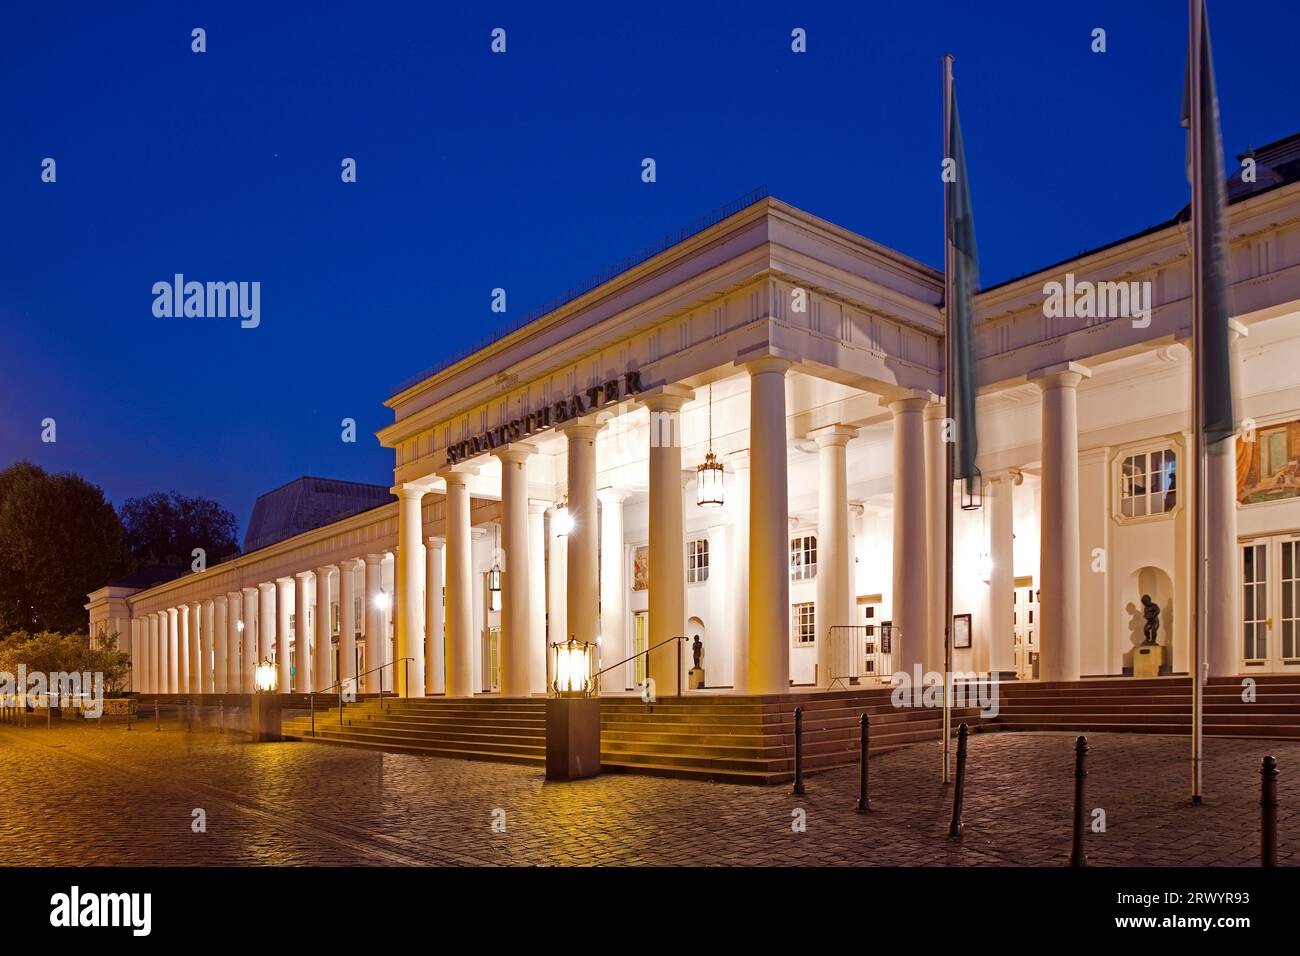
pixel 949 368
pixel 1197 26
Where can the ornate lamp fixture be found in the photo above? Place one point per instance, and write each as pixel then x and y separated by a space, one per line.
pixel 562 522
pixel 708 476
pixel 572 668
pixel 494 575
pixel 266 677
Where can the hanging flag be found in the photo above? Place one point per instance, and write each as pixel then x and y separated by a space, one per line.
pixel 1212 238
pixel 964 262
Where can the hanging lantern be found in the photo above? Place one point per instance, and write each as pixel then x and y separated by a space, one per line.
pixel 972 493
pixel 708 476
pixel 572 668
pixel 562 521
pixel 494 575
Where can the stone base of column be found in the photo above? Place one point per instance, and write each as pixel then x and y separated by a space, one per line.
pixel 572 737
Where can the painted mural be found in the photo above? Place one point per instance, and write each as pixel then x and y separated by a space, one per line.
pixel 1267 467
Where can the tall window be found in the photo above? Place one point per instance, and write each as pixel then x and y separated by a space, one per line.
pixel 1148 483
pixel 803 558
pixel 697 561
pixel 803 626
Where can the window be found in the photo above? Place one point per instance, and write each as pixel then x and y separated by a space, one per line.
pixel 803 558
pixel 697 561
pixel 804 626
pixel 1148 483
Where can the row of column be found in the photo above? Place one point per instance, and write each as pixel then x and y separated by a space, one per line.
pixel 214 645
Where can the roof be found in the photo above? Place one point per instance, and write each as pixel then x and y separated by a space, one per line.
pixel 307 503
pixel 143 578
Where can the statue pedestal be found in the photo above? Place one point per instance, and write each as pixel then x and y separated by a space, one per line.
pixel 695 678
pixel 1147 659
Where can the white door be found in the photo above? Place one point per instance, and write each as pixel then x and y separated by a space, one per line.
pixel 1270 604
pixel 1025 618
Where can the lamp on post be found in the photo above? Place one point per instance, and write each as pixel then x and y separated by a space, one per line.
pixel 265 709
pixel 572 713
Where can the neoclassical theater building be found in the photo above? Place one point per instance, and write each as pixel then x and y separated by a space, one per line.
pixel 548 484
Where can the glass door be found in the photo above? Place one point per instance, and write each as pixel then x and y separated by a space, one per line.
pixel 1270 604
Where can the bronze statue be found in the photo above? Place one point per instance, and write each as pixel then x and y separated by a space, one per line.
pixel 697 650
pixel 1151 614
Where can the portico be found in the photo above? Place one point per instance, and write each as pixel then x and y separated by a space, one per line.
pixel 546 486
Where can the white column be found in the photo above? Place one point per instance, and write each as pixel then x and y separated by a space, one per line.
pixel 435 675
pixel 138 665
pixel 1222 588
pixel 537 595
pixel 557 588
pixel 302 681
pixel 322 654
pixel 187 631
pixel 459 652
pixel 220 638
pixel 667 597
pixel 375 631
pixel 155 656
pixel 613 587
pixel 234 615
pixel 769 530
pixel 936 550
pixel 516 586
pixel 249 656
pixel 408 675
pixel 1058 605
pixel 739 506
pixel 265 622
pixel 174 649
pixel 283 608
pixel 911 613
pixel 584 543
pixel 1002 594
pixel 348 623
pixel 834 606
pixel 206 647
pixel 195 647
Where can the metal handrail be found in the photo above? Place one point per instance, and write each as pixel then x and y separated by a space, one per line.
pixel 311 695
pixel 595 678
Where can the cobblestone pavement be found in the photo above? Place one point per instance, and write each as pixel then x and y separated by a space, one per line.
pixel 77 795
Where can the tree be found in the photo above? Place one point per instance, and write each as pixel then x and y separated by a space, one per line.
pixel 59 540
pixel 51 653
pixel 162 530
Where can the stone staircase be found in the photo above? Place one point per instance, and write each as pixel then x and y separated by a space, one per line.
pixel 1157 706
pixel 735 739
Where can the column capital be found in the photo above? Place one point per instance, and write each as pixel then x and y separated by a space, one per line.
pixel 375 558
pixel 456 474
pixel 539 506
pixel 250 589
pixel 411 490
pixel 325 570
pixel 303 575
pixel 517 451
pixel 580 429
pixel 209 602
pixel 611 496
pixel 1013 475
pixel 435 541
pixel 765 364
pixel 284 579
pixel 832 435
pixel 350 564
pixel 1060 375
pixel 910 400
pixel 666 398
pixel 937 410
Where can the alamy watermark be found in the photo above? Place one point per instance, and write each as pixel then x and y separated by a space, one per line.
pixel 36 689
pixel 965 689
pixel 1098 300
pixel 209 300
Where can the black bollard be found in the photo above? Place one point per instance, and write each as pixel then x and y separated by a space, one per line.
pixel 221 706
pixel 189 715
pixel 1268 812
pixel 955 827
pixel 798 751
pixel 1077 855
pixel 156 725
pixel 864 799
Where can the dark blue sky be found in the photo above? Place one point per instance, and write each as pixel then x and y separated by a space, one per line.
pixel 519 170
